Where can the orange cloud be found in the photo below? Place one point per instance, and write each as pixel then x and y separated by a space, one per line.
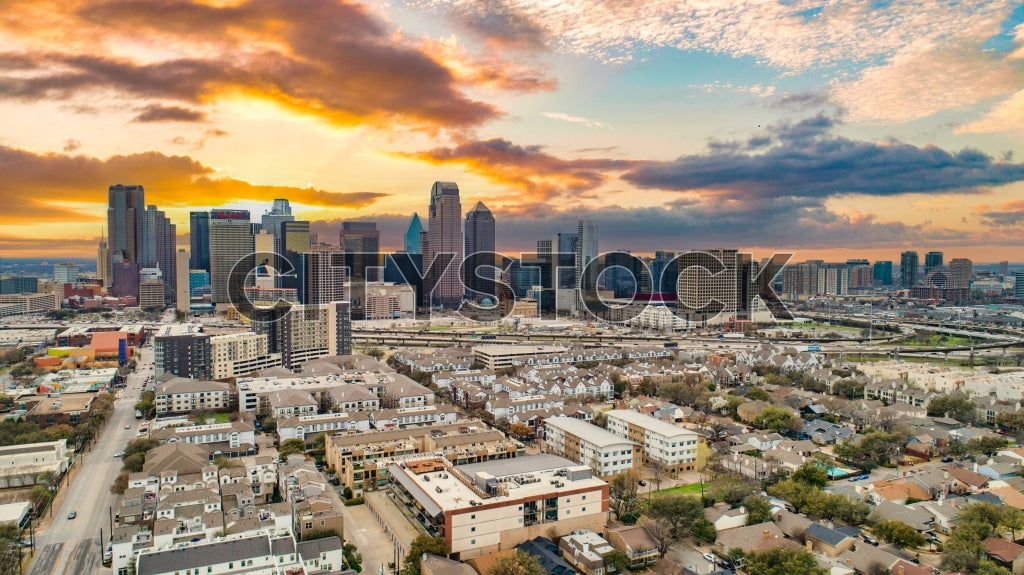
pixel 39 186
pixel 334 60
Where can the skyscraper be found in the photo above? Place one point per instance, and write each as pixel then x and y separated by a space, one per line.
pixel 361 244
pixel 158 248
pixel 479 250
pixel 961 270
pixel 280 211
pixel 586 251
pixel 1004 268
pixel 293 239
pixel 124 223
pixel 1018 286
pixel 412 235
pixel 199 240
pixel 65 273
pixel 564 275
pixel 322 275
pixel 103 261
pixel 444 241
pixel 882 273
pixel 231 244
pixel 908 269
pixel 181 281
pixel 932 260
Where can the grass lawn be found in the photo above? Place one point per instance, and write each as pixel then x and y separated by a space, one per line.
pixel 222 417
pixel 935 341
pixel 821 326
pixel 691 489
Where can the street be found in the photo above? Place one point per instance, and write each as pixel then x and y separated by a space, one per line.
pixel 73 546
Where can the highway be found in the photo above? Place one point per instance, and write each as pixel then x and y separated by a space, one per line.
pixel 72 546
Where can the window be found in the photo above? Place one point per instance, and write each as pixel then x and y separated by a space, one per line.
pixel 472 541
pixel 472 529
pixel 473 516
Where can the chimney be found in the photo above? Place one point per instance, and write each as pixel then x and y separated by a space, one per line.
pixel 975 466
pixel 765 534
pixel 849 562
pixel 899 570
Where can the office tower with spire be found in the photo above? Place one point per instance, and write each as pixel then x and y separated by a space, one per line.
pixel 125 205
pixel 231 245
pixel 280 211
pixel 444 243
pixel 412 235
pixel 908 269
pixel 199 240
pixel 103 261
pixel 479 252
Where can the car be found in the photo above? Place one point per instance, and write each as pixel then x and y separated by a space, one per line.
pixel 709 557
pixel 128 427
pixel 869 539
pixel 641 483
pixel 72 515
pixel 119 454
pixel 947 459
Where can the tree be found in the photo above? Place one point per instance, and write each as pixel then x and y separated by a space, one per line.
pixel 661 531
pixel 759 509
pixel 776 419
pixel 146 401
pixel 757 394
pixel 518 563
pixel 133 463
pixel 375 353
pixel 680 511
pixel 899 534
pixel 811 474
pixel 520 430
pixel 120 483
pixel 419 546
pixel 960 408
pixel 353 559
pixel 784 561
pixel 616 560
pixel 704 530
pixel 986 445
pixel 622 488
pixel 291 447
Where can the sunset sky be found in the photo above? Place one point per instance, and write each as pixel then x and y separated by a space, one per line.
pixel 833 129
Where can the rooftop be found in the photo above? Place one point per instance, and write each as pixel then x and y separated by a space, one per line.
pixel 588 431
pixel 647 422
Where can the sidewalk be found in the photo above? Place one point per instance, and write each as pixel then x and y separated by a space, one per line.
pixel 44 522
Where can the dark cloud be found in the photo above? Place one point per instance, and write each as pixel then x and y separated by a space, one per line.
pixel 801 101
pixel 1007 215
pixel 71 144
pixel 500 24
pixel 527 168
pixel 336 60
pixel 158 113
pixel 805 160
pixel 39 185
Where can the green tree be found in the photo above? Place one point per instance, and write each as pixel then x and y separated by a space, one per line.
pixel 776 419
pixel 616 560
pixel 353 559
pixel 704 530
pixel 960 408
pixel 146 401
pixel 419 546
pixel 375 353
pixel 985 445
pixel 811 474
pixel 899 534
pixel 518 563
pixel 680 511
pixel 784 561
pixel 622 491
pixel 291 447
pixel 759 509
pixel 757 394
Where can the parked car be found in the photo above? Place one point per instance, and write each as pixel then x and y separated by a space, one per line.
pixel 709 557
pixel 947 459
pixel 869 539
pixel 72 515
pixel 642 483
pixel 119 454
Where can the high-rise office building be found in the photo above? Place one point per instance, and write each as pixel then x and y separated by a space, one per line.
pixel 564 244
pixel 961 270
pixel 65 273
pixel 882 273
pixel 1018 286
pixel 293 239
pixel 698 287
pixel 280 211
pixel 361 243
pixel 543 246
pixel 479 271
pixel 103 269
pixel 1004 268
pixel 444 243
pixel 231 245
pixel 586 251
pixel 908 269
pixel 412 235
pixel 182 296
pixel 932 260
pixel 126 279
pixel 199 240
pixel 124 221
pixel 159 247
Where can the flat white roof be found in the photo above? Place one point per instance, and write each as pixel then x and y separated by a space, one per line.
pixel 13 512
pixel 501 349
pixel 650 423
pixel 587 431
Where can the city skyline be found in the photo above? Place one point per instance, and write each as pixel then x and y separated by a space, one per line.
pixel 832 132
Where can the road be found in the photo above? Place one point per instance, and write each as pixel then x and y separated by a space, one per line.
pixel 72 546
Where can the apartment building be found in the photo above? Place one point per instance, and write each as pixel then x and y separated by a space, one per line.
pixel 587 444
pixel 485 507
pixel 238 354
pixel 181 395
pixel 316 505
pixel 671 448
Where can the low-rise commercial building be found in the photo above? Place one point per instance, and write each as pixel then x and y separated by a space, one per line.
pixel 27 465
